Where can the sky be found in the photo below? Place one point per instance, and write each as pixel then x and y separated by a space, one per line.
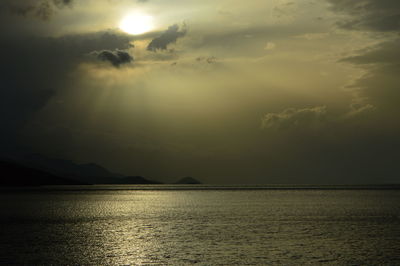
pixel 226 91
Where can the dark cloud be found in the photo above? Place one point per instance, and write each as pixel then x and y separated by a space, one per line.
pixel 384 53
pixel 43 10
pixel 376 15
pixel 378 89
pixel 33 69
pixel 116 58
pixel 168 37
pixel 380 85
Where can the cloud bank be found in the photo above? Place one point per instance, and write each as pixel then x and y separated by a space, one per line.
pixel 376 15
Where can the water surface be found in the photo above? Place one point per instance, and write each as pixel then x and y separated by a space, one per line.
pixel 106 226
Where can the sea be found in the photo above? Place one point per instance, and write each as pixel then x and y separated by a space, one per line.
pixel 199 225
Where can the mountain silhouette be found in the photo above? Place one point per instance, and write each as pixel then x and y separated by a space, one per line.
pixel 13 174
pixel 67 168
pixel 89 173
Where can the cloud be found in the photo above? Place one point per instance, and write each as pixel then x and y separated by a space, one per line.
pixel 43 10
pixel 377 89
pixel 116 58
pixel 169 36
pixel 380 85
pixel 36 68
pixel 320 139
pixel 295 118
pixel 384 53
pixel 376 15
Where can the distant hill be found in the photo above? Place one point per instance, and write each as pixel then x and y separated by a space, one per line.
pixel 86 172
pixel 188 180
pixel 13 174
pixel 89 173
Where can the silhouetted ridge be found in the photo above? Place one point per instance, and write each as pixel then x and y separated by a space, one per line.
pixel 89 173
pixel 13 174
pixel 85 172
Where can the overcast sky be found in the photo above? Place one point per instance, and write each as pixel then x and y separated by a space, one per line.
pixel 227 91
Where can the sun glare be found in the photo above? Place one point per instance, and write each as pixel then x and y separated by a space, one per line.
pixel 136 23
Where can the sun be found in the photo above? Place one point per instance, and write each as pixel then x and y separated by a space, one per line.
pixel 136 23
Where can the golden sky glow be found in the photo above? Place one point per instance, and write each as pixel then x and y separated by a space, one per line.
pixel 176 88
